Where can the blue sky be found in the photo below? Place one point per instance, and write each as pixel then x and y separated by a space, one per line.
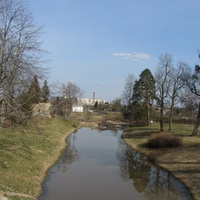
pixel 96 44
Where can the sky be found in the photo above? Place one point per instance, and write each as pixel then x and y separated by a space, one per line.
pixel 96 44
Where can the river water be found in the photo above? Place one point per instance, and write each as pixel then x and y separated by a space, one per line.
pixel 99 165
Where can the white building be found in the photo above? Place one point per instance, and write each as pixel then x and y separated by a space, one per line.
pixel 90 102
pixel 78 107
pixel 85 103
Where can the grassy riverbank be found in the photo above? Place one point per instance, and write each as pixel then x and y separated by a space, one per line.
pixel 183 162
pixel 27 152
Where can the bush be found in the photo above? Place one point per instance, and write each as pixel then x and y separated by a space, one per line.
pixel 163 140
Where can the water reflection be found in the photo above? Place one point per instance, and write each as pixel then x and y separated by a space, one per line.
pixel 153 182
pixel 99 165
pixel 69 155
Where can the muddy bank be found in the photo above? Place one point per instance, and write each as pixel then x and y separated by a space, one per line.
pixel 109 124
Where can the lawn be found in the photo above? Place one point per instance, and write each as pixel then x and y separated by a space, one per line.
pixel 183 162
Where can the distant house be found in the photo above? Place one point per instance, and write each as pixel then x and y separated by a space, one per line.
pixel 78 107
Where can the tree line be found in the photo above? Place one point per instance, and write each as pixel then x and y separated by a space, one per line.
pixel 21 57
pixel 172 87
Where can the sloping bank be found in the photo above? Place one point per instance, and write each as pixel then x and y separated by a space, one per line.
pixel 26 153
pixel 183 162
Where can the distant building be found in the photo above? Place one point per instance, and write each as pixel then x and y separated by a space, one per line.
pixel 77 107
pixel 82 104
pixel 90 102
pixel 86 104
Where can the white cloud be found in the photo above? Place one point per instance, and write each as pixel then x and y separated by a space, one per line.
pixel 133 56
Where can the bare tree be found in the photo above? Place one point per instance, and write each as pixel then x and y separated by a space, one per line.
pixel 70 92
pixel 189 102
pixel 192 80
pixel 127 95
pixel 175 86
pixel 162 78
pixel 20 54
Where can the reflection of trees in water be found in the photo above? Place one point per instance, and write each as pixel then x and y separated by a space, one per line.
pixel 133 165
pixel 163 185
pixel 69 155
pixel 115 132
pixel 154 183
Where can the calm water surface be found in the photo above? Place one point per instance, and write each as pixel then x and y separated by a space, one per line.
pixel 98 165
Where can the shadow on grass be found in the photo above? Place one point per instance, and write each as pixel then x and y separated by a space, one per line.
pixel 190 171
pixel 181 162
pixel 139 134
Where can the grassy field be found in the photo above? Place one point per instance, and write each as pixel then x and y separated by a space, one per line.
pixel 183 162
pixel 27 152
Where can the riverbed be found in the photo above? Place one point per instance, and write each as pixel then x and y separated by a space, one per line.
pixel 98 164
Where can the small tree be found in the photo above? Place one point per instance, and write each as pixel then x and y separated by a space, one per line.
pixel 34 90
pixel 25 103
pixel 116 105
pixel 70 92
pixel 96 105
pixel 45 92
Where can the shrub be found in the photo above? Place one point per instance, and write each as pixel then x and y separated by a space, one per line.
pixel 163 140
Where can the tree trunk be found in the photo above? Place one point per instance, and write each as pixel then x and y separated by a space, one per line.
pixel 161 117
pixel 171 115
pixel 2 114
pixel 148 117
pixel 196 125
pixel 170 123
pixel 148 113
pixel 161 124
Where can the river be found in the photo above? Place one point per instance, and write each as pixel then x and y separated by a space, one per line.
pixel 99 165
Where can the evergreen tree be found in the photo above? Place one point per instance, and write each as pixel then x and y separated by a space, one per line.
pixel 34 90
pixel 45 92
pixel 144 93
pixel 25 103
pixel 96 105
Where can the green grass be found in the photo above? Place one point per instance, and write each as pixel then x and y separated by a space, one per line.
pixel 179 129
pixel 27 152
pixel 138 136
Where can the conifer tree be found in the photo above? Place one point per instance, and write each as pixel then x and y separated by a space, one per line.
pixel 45 92
pixel 144 93
pixel 34 90
pixel 96 105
